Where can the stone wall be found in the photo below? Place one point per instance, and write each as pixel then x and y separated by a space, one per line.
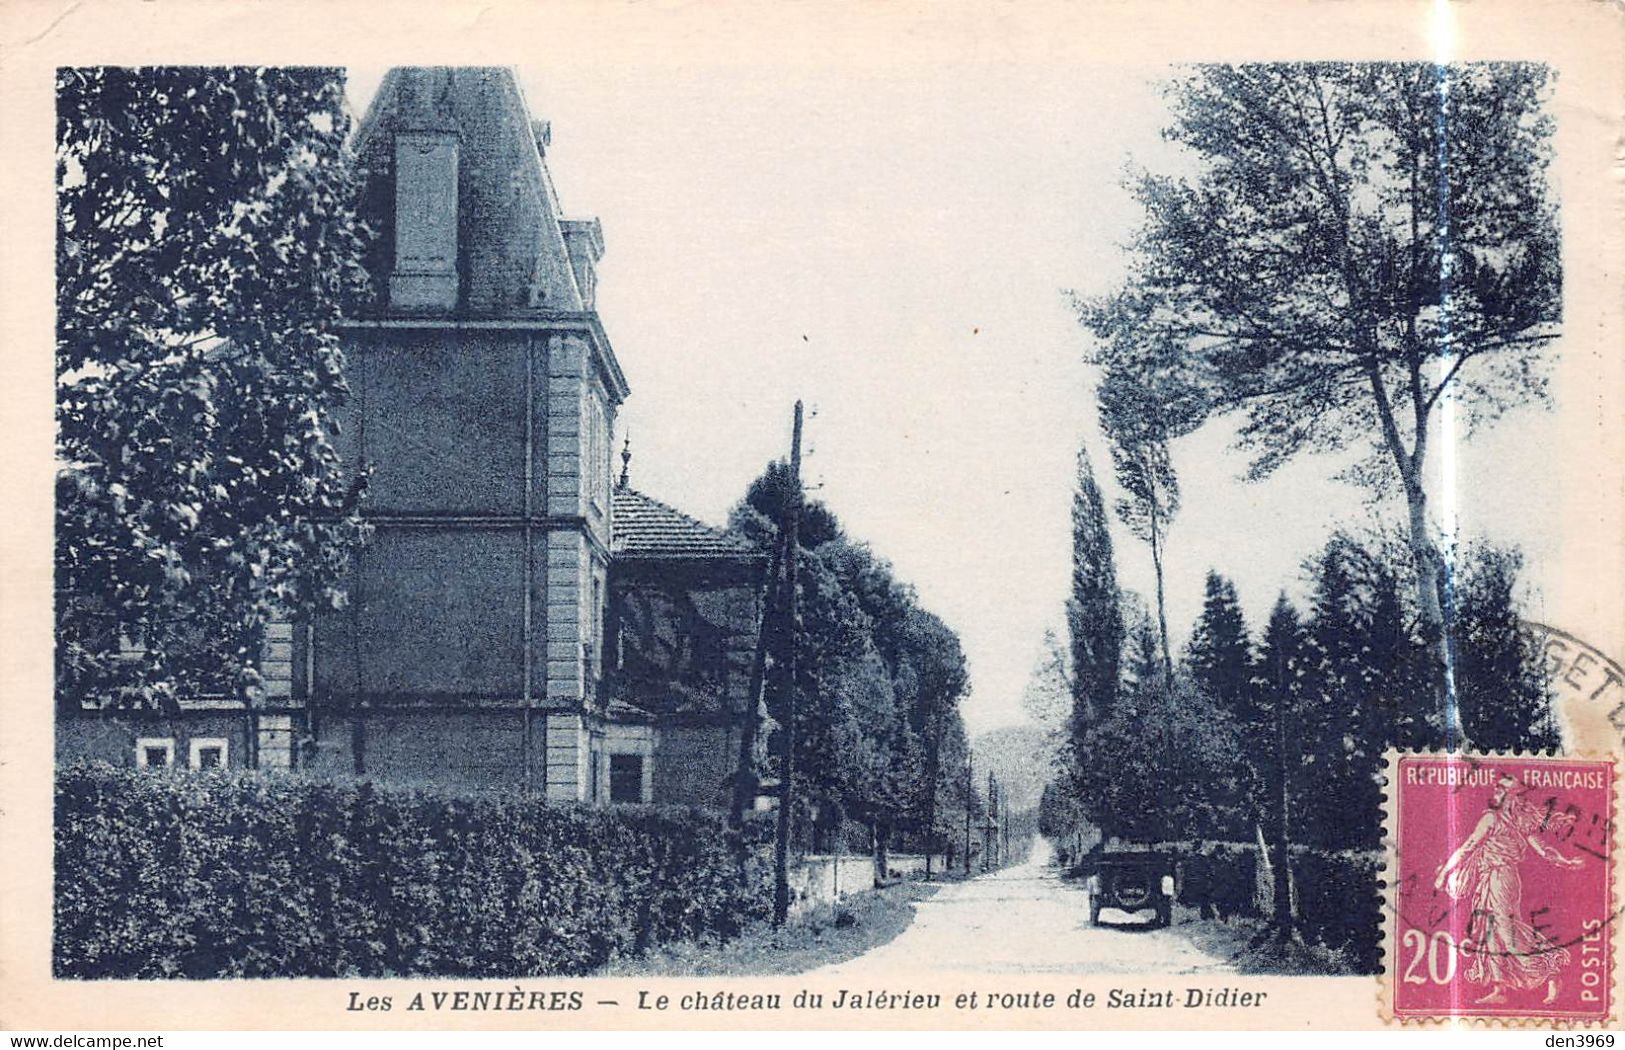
pixel 114 736
pixel 824 879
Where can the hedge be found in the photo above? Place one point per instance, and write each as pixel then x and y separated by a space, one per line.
pixel 1339 903
pixel 238 875
pixel 1222 876
pixel 1338 894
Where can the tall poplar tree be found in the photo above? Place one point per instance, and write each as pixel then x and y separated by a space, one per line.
pixel 1140 420
pixel 1094 614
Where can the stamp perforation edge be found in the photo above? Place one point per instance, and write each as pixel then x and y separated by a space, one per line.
pixel 1389 887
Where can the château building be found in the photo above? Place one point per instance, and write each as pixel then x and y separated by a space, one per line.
pixel 517 619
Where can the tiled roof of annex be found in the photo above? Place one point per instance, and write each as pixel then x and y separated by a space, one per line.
pixel 647 528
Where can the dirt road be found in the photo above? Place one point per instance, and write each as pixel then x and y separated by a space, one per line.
pixel 1023 920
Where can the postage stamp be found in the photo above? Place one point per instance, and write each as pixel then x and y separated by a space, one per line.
pixel 1500 887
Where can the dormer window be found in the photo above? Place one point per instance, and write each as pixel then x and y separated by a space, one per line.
pixel 425 274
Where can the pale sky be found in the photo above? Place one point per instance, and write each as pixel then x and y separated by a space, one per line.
pixel 893 249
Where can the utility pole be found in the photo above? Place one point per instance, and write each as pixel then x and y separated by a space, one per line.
pixel 970 798
pixel 1002 815
pixel 1001 818
pixel 787 764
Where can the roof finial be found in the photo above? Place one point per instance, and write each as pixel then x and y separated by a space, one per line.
pixel 626 461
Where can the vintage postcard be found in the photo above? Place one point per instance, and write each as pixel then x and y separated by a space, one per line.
pixel 812 515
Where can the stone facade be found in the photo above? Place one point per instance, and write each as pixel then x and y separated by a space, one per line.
pixel 484 396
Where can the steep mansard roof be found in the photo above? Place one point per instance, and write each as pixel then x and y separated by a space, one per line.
pixel 647 528
pixel 515 238
pixel 521 258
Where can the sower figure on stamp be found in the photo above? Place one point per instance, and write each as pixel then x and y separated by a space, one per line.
pixel 1507 950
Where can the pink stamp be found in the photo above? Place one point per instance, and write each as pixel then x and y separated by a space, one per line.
pixel 1500 873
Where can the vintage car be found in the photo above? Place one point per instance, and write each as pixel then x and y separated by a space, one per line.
pixel 1131 887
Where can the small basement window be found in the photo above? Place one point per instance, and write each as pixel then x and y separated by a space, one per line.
pixel 626 778
pixel 208 752
pixel 154 752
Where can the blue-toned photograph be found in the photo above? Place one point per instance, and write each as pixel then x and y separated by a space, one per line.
pixel 1013 522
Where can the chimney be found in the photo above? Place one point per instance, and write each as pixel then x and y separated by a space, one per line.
pixel 425 276
pixel 584 240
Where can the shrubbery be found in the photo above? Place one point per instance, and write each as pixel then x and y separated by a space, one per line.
pixel 1339 903
pixel 1222 876
pixel 1338 894
pixel 246 876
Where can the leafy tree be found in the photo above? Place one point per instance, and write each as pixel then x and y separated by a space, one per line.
pixel 953 792
pixel 1141 410
pixel 1163 765
pixel 205 246
pixel 1094 618
pixel 1166 762
pixel 1058 813
pixel 837 668
pixel 1358 244
pixel 878 678
pixel 1047 700
pixel 766 499
pixel 925 666
pixel 879 764
pixel 1503 691
pixel 933 678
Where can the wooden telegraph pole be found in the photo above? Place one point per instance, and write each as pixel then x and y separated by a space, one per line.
pixel 791 531
pixel 1001 819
